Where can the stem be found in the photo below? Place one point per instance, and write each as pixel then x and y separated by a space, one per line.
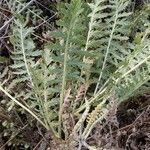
pixel 91 100
pixel 128 72
pixel 107 51
pixel 89 31
pixel 90 126
pixel 21 105
pixel 41 103
pixel 63 82
pixel 24 57
pixel 45 104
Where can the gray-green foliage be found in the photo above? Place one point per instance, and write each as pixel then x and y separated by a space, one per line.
pixel 24 51
pixel 91 49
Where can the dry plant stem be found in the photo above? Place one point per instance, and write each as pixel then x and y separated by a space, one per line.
pixel 44 7
pixel 21 105
pixel 6 23
pixel 45 21
pixel 35 148
pixel 11 19
pixel 5 10
pixel 40 38
pixel 4 15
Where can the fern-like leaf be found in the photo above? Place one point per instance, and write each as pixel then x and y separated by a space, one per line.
pixel 24 52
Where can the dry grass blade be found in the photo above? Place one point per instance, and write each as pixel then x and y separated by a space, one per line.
pixel 11 19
